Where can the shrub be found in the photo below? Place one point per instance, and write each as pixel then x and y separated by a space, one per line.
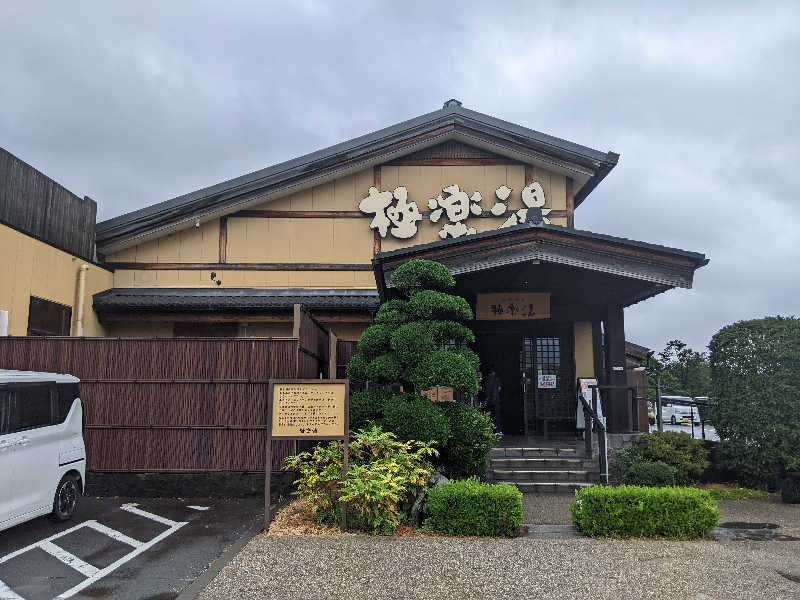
pixel 416 418
pixel 417 274
pixel 622 460
pixel 755 376
pixel 383 475
pixel 630 511
pixel 374 341
pixel 650 474
pixel 430 304
pixel 469 507
pixel 688 456
pixel 443 367
pixel 472 437
pixel 367 406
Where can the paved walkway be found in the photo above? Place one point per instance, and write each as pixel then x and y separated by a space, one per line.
pixel 363 567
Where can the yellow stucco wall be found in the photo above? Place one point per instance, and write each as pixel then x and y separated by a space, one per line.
pixel 584 355
pixel 29 267
pixel 330 240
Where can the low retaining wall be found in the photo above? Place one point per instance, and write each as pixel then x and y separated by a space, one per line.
pixel 186 485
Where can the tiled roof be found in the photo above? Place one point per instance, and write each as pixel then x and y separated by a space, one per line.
pixel 194 299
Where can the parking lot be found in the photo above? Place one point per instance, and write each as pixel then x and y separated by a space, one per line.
pixel 710 432
pixel 142 549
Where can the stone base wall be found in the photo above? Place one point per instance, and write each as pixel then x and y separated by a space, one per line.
pixel 186 485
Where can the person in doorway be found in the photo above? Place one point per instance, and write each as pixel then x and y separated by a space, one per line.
pixel 492 387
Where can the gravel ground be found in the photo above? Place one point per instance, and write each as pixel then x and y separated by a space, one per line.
pixel 356 567
pixel 360 567
pixel 546 509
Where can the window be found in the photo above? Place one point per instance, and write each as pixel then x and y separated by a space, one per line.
pixel 6 397
pixel 48 318
pixel 33 407
pixel 67 392
pixel 548 355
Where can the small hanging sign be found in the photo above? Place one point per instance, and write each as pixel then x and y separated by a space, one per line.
pixel 546 382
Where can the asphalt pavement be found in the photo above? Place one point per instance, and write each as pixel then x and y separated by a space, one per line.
pixel 125 549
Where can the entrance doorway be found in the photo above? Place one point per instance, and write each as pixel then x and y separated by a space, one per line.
pixel 536 368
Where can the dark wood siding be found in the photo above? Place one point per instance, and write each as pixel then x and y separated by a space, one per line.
pixel 168 405
pixel 33 203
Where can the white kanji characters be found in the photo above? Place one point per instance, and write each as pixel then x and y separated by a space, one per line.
pixel 455 230
pixel 502 193
pixel 532 197
pixel 401 215
pixel 455 202
pixel 376 203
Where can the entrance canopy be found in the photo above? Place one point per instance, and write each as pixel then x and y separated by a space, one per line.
pixel 585 272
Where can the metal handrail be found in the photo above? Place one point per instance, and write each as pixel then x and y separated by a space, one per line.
pixel 592 420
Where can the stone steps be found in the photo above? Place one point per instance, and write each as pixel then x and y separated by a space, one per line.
pixel 540 470
pixel 554 451
pixel 559 487
pixel 538 464
pixel 552 476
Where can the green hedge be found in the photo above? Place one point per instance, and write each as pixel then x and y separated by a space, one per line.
pixel 418 273
pixel 469 507
pixel 416 418
pixel 650 473
pixel 467 452
pixel 630 511
pixel 367 406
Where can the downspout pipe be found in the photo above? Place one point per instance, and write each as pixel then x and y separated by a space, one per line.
pixel 81 291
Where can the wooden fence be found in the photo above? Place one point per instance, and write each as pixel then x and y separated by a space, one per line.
pixel 35 204
pixel 173 405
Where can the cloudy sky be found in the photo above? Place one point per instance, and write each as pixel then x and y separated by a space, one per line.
pixel 134 103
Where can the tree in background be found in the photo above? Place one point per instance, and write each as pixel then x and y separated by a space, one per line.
pixel 683 371
pixel 755 397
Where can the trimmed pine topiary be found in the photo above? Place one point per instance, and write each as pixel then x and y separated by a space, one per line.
pixel 412 417
pixel 418 274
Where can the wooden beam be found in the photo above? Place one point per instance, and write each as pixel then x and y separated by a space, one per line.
pixel 297 312
pixel 376 238
pixel 528 174
pixel 300 214
pixel 570 203
pixel 241 266
pixel 211 317
pixel 437 162
pixel 223 239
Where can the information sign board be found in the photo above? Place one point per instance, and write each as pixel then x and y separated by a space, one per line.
pixel 512 306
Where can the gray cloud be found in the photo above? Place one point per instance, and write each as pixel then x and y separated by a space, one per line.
pixel 133 104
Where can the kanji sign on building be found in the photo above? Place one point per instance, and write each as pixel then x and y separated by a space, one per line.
pixel 520 306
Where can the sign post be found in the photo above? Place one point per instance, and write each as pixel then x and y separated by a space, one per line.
pixel 305 409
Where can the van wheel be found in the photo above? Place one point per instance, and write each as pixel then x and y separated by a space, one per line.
pixel 672 420
pixel 66 498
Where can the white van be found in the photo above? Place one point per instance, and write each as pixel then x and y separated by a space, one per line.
pixel 677 409
pixel 42 455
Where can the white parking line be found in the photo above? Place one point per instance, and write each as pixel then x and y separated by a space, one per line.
pixel 69 559
pixel 6 593
pixel 91 572
pixel 148 515
pixel 113 533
